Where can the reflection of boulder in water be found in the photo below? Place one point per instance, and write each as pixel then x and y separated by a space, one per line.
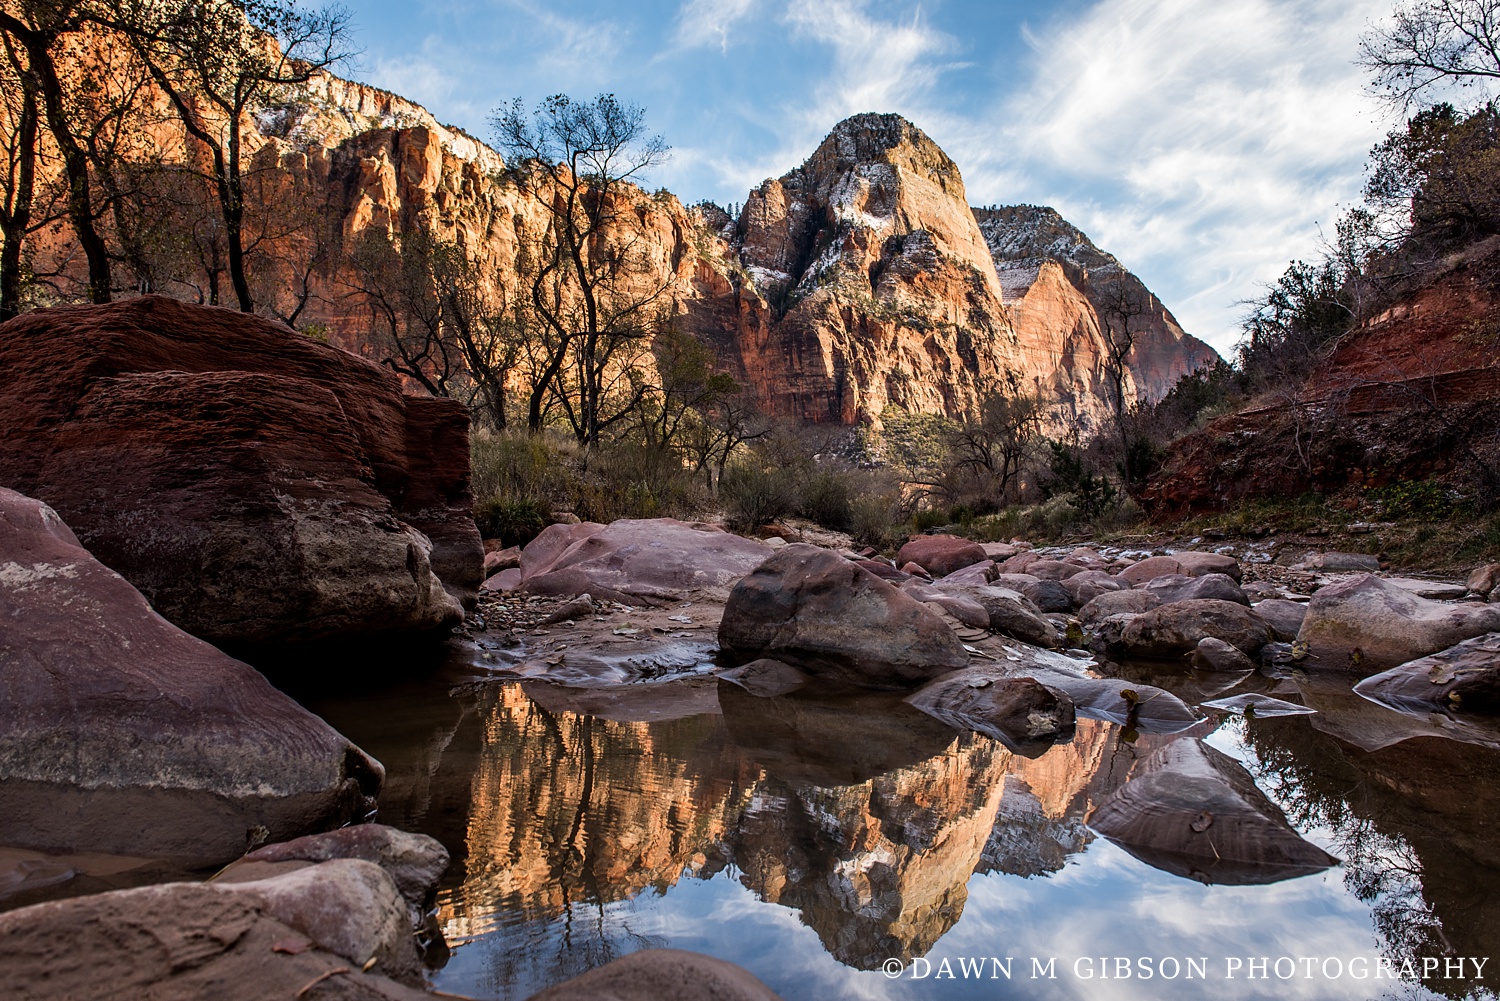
pixel 824 739
pixel 1027 842
pixel 878 868
pixel 1194 811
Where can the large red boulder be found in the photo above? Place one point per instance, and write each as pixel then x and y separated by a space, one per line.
pixel 818 610
pixel 122 734
pixel 632 561
pixel 940 555
pixel 256 485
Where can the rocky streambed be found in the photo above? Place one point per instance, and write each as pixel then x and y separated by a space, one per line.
pixel 831 769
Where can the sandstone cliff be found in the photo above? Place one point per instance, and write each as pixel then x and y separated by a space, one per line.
pixel 860 280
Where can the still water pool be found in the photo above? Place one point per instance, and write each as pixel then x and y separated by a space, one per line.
pixel 857 849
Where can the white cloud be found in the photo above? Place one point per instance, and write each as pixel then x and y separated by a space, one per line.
pixel 707 23
pixel 1208 136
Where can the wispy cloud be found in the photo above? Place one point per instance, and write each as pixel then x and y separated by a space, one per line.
pixel 1199 141
pixel 709 22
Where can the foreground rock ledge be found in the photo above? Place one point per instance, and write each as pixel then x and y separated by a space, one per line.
pixel 255 485
pixel 120 733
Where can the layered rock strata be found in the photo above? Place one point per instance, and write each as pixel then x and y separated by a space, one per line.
pixel 255 485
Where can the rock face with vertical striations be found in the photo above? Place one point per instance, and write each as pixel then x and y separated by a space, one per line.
pixel 255 485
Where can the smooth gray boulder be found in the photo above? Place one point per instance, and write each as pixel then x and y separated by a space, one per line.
pixel 1180 587
pixel 825 615
pixel 1177 628
pixel 1374 624
pixel 1213 654
pixel 1284 617
pixel 1132 602
pixel 1010 612
pixel 1020 712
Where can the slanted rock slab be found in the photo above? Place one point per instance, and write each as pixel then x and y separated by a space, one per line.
pixel 1463 678
pixel 122 734
pixel 1387 625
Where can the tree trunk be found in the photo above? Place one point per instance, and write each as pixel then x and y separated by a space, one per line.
pixel 18 214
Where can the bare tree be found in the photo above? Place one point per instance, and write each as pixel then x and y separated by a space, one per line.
pixel 993 447
pixel 218 61
pixel 1430 45
pixel 1122 305
pixel 42 28
pixel 19 125
pixel 592 298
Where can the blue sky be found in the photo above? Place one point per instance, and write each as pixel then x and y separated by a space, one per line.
pixel 1201 141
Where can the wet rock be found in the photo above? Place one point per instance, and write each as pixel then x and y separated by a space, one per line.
pixel 661 975
pixel 1340 563
pixel 826 615
pixel 1145 708
pixel 1484 579
pixel 1019 712
pixel 941 555
pixel 1108 631
pixel 1194 811
pixel 414 861
pixel 1177 628
pixel 1010 613
pixel 1053 569
pixel 766 678
pixel 1375 624
pixel 654 560
pixel 1132 602
pixel 1048 595
pixel 255 485
pixel 1150 569
pixel 1179 587
pixel 1200 564
pixel 1257 706
pixel 120 733
pixel 1284 617
pixel 1463 678
pixel 1213 654
pixel 230 941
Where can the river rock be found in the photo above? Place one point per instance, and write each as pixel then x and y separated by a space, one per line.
pixel 655 560
pixel 500 560
pixel 965 609
pixel 1180 587
pixel 1149 569
pixel 1019 712
pixel 1177 628
pixel 1194 811
pixel 249 941
pixel 1010 612
pixel 1198 564
pixel 1463 678
pixel 414 861
pixel 1213 654
pixel 1132 602
pixel 940 555
pixel 1088 585
pixel 1054 569
pixel 661 975
pixel 1048 595
pixel 1284 617
pixel 120 733
pixel 1484 579
pixel 1340 563
pixel 1387 625
pixel 999 552
pixel 1019 562
pixel 256 485
pixel 823 614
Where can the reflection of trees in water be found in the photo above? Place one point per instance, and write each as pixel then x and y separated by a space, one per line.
pixel 585 936
pixel 1411 830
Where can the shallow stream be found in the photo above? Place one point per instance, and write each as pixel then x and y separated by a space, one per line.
pixel 825 844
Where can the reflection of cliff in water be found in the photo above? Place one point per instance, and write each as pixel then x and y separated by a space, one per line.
pixel 1416 824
